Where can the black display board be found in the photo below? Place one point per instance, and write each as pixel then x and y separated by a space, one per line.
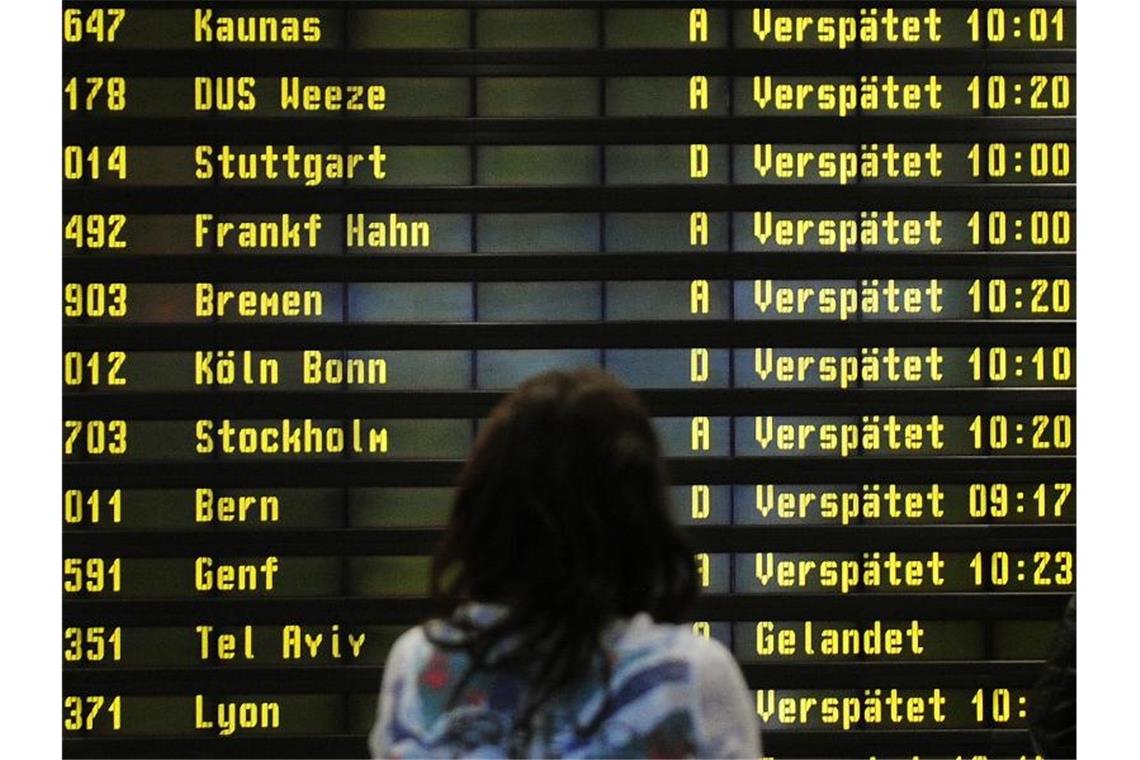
pixel 307 246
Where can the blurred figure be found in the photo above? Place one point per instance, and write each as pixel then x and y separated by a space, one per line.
pixel 1053 709
pixel 566 586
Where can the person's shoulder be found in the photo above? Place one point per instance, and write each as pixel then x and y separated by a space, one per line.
pixel 695 674
pixel 643 636
pixel 705 663
pixel 711 654
pixel 725 721
pixel 643 628
pixel 409 647
pixel 712 663
pixel 715 666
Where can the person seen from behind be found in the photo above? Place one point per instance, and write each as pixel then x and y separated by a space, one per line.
pixel 565 588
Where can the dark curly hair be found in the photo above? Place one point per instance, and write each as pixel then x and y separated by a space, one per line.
pixel 561 515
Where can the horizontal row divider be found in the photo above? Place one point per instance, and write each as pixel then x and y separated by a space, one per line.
pixel 580 199
pixel 443 472
pixel 214 403
pixel 786 744
pixel 720 538
pixel 554 131
pixel 1013 605
pixel 495 267
pixel 605 63
pixel 594 334
pixel 220 681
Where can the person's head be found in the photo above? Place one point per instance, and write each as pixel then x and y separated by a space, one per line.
pixel 562 515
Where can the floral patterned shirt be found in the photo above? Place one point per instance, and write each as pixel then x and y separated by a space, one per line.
pixel 672 694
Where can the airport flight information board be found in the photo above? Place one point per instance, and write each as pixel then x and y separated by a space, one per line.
pixel 308 245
